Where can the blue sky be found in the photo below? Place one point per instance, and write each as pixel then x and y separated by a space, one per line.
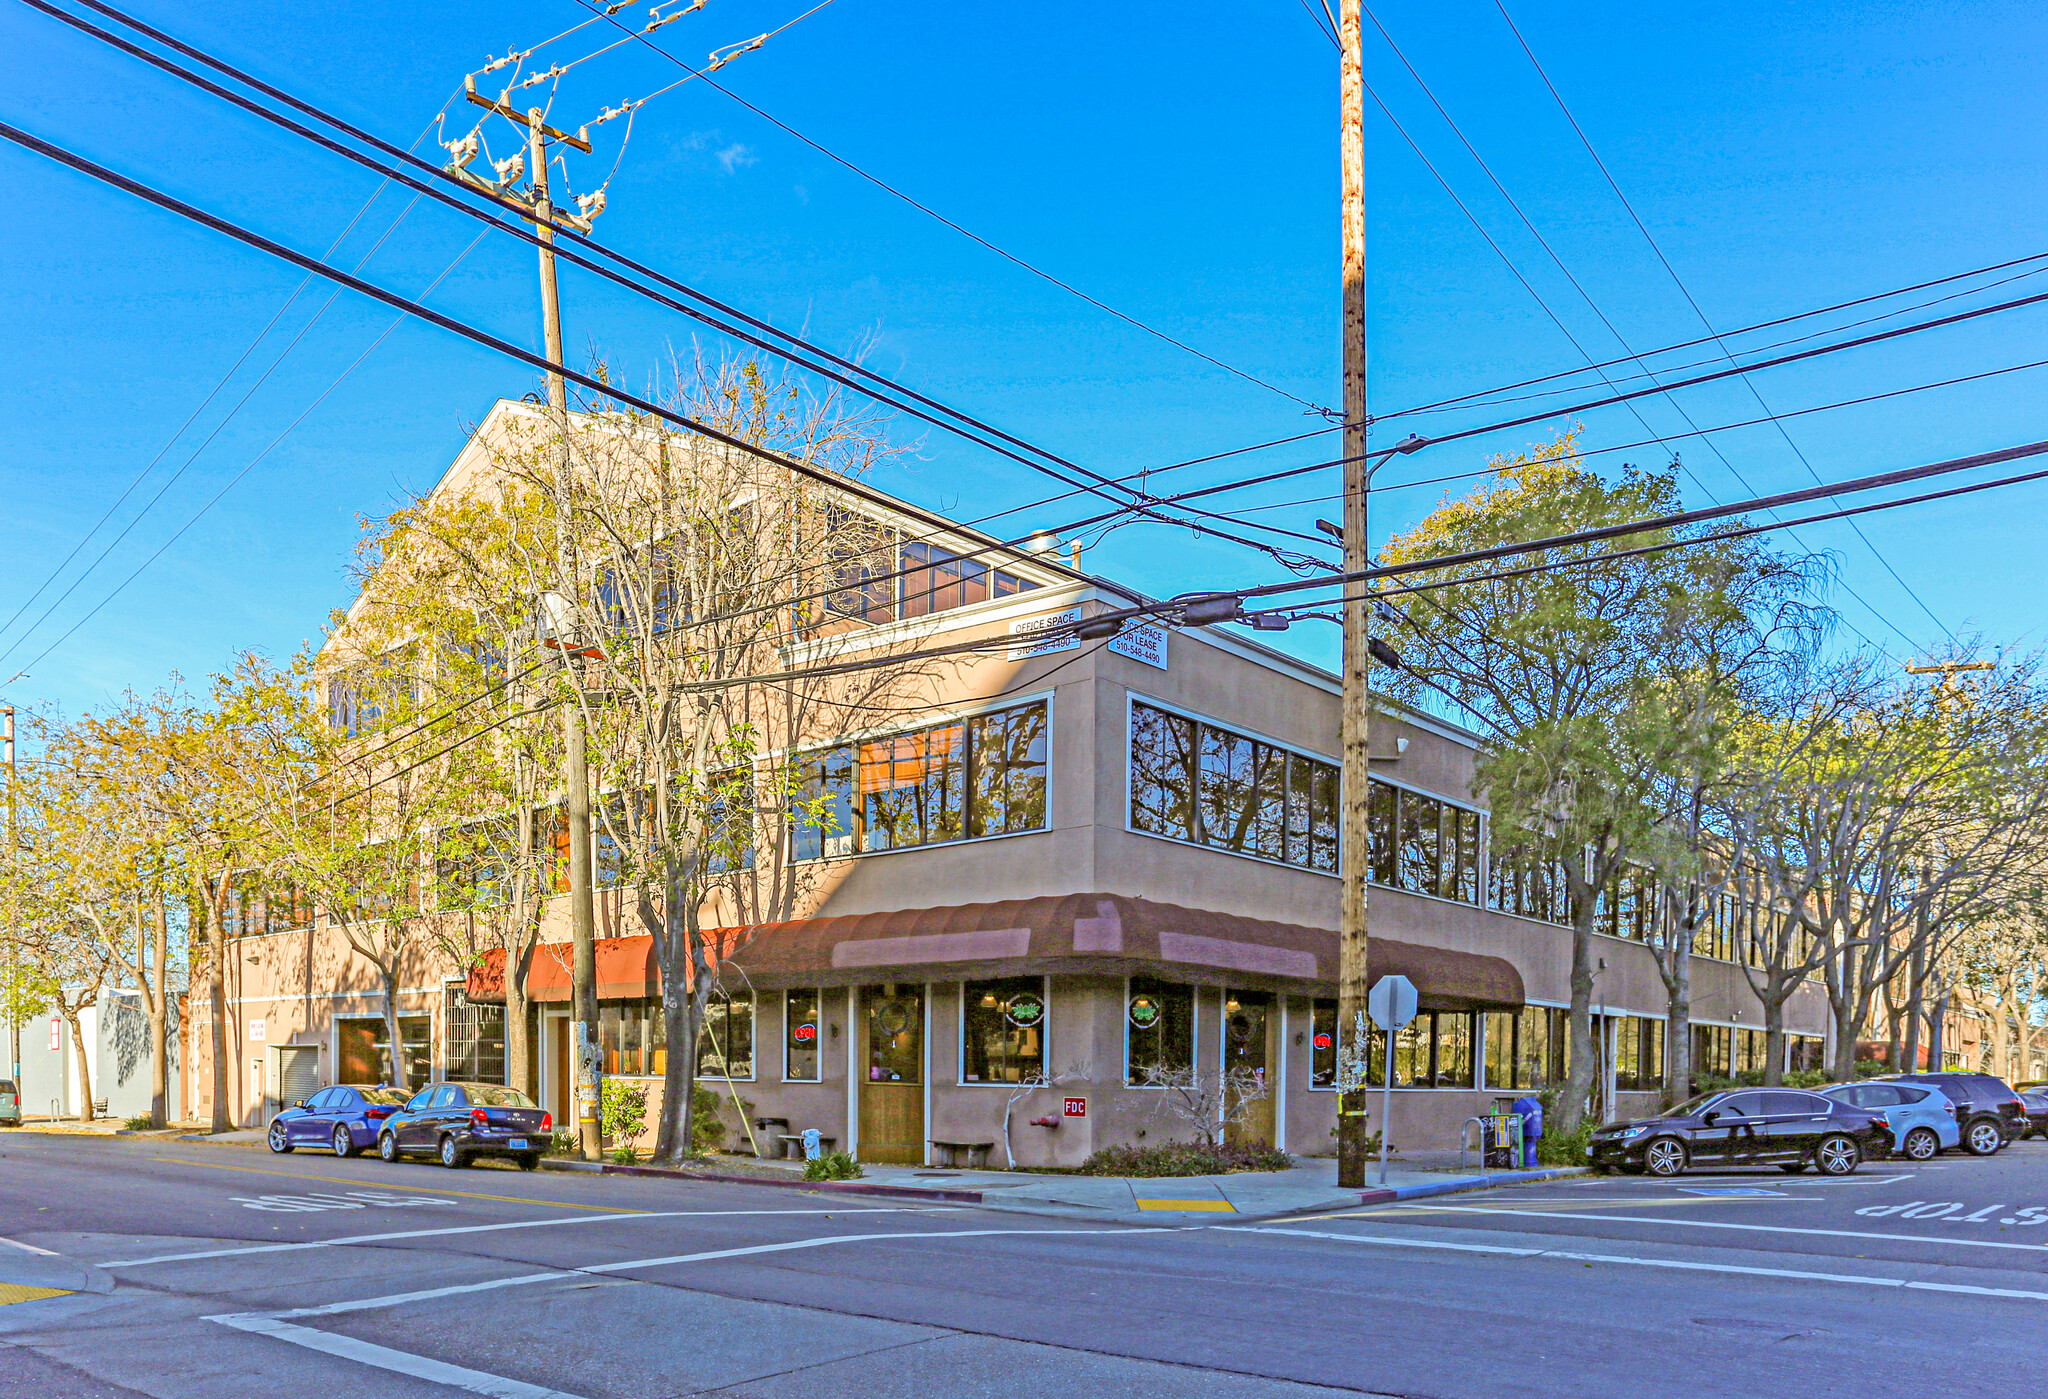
pixel 1176 161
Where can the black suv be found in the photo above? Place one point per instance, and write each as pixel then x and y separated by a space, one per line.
pixel 1989 1113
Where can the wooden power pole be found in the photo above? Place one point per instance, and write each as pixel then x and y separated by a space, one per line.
pixel 1353 946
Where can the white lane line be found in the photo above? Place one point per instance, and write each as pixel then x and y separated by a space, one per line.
pixel 31 1248
pixel 397 1361
pixel 1860 1279
pixel 242 1249
pixel 1714 1224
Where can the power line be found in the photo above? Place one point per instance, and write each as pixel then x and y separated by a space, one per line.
pixel 972 236
pixel 1294 563
pixel 1699 313
pixel 1594 306
pixel 247 467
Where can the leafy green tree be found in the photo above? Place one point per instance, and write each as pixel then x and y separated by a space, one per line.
pixel 1573 671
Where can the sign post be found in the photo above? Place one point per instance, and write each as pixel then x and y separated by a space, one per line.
pixel 1391 1005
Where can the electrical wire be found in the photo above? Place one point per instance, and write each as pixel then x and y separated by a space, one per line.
pixel 247 467
pixel 1295 563
pixel 1701 315
pixel 976 238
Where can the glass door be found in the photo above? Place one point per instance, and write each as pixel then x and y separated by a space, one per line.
pixel 892 1083
pixel 1247 1084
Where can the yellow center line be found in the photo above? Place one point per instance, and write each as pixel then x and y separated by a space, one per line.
pixel 408 1189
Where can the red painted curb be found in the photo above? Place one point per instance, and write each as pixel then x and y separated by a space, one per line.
pixel 1377 1197
pixel 838 1187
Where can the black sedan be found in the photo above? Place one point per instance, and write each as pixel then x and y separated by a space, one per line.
pixel 2036 1100
pixel 458 1122
pixel 1779 1127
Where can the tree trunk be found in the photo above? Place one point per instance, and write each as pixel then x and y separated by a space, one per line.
pixel 1915 1006
pixel 399 1078
pixel 157 1001
pixel 1774 1041
pixel 1678 1028
pixel 71 1018
pixel 518 1064
pixel 217 1010
pixel 1579 1070
pixel 672 1138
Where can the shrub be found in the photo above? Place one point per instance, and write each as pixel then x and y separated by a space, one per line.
pixel 622 1110
pixel 1871 1068
pixel 837 1165
pixel 1565 1148
pixel 1808 1078
pixel 707 1133
pixel 624 1156
pixel 138 1124
pixel 1183 1159
pixel 564 1144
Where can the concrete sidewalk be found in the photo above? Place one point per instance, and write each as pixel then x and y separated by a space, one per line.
pixel 1309 1187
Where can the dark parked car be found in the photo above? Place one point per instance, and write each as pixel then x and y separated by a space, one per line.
pixel 1990 1113
pixel 458 1122
pixel 1780 1127
pixel 2036 1100
pixel 342 1118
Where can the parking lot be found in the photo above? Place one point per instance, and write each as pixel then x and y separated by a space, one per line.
pixel 223 1272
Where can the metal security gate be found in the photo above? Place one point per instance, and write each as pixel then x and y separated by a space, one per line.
pixel 295 1074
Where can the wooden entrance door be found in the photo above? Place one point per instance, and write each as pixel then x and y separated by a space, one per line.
pixel 892 1083
pixel 558 1071
pixel 1247 1032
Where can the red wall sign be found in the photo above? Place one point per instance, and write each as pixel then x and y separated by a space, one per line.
pixel 1076 1107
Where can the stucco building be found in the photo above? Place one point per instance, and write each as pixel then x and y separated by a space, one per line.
pixel 1109 867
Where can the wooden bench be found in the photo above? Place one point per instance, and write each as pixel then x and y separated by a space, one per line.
pixel 977 1153
pixel 793 1145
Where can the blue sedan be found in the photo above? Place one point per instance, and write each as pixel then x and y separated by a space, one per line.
pixel 1921 1118
pixel 344 1118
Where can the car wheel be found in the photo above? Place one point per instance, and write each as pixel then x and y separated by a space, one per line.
pixel 453 1156
pixel 387 1146
pixel 280 1140
pixel 1921 1144
pixel 1664 1157
pixel 530 1161
pixel 1793 1168
pixel 1984 1137
pixel 344 1144
pixel 1837 1156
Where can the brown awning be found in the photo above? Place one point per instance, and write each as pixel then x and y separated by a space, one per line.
pixel 1088 933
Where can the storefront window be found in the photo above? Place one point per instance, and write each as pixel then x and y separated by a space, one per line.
pixel 1003 1030
pixel 363 1050
pixel 800 1035
pixel 632 1038
pixel 726 1049
pixel 1322 1045
pixel 475 1039
pixel 1526 1049
pixel 1159 1030
pixel 1638 1054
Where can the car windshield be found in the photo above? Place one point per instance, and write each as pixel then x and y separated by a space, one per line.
pixel 382 1097
pixel 492 1095
pixel 1695 1105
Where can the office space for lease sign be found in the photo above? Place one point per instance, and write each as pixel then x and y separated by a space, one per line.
pixel 1144 642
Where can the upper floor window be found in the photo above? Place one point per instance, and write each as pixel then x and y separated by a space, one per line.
pixel 1422 844
pixel 362 695
pixel 1196 781
pixel 974 777
pixel 883 576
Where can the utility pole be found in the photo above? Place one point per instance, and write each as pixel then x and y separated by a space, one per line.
pixel 13 911
pixel 576 776
pixel 1352 943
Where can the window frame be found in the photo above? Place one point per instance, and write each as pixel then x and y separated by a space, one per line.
pixel 963 716
pixel 1133 698
pixel 1195 990
pixel 1044 981
pixel 753 1072
pixel 817 995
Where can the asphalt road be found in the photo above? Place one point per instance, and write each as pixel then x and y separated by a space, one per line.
pixel 226 1272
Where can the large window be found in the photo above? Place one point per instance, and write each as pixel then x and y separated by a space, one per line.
pixel 474 1039
pixel 1527 1048
pixel 800 1031
pixel 1519 881
pixel 1434 844
pixel 1195 781
pixel 632 1037
pixel 1638 1054
pixel 726 1049
pixel 978 777
pixel 1002 1030
pixel 1322 1044
pixel 1159 1031
pixel 1434 1050
pixel 867 556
